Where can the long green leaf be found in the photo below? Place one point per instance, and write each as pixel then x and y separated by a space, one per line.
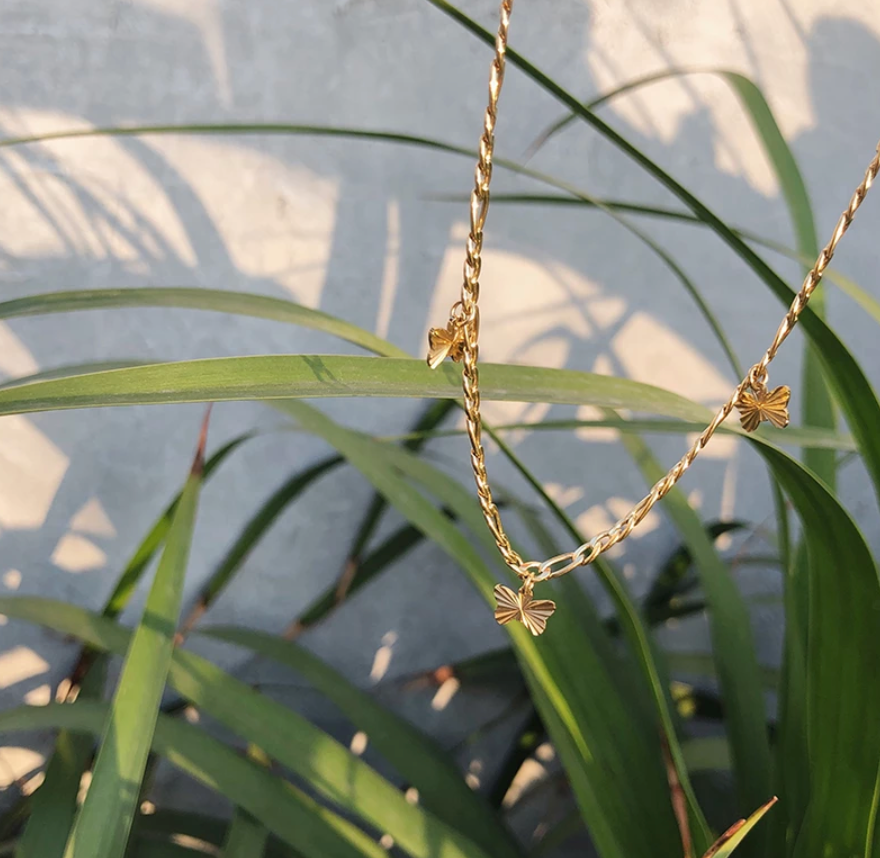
pixel 732 640
pixel 102 826
pixel 313 376
pixel 849 384
pixel 217 300
pixel 442 789
pixel 313 830
pixel 329 768
pixel 846 284
pixel 58 793
pixel 800 436
pixel 842 659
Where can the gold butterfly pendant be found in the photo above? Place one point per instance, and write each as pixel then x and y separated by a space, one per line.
pixel 770 405
pixel 532 613
pixel 443 343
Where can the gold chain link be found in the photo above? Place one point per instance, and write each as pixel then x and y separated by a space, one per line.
pixel 459 340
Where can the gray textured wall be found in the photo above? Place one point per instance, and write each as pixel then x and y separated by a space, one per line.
pixel 351 228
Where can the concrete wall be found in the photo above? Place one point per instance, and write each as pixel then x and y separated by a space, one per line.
pixel 351 228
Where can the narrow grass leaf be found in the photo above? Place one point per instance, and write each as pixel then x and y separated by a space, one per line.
pixel 735 835
pixel 841 657
pixel 732 640
pixel 273 377
pixel 101 829
pixel 71 754
pixel 216 300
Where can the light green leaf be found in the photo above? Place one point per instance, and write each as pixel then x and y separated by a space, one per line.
pixel 843 739
pixel 217 300
pixel 311 376
pixel 102 826
pixel 737 833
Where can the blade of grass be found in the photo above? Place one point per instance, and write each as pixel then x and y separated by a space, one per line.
pixel 844 611
pixel 286 736
pixel 313 830
pixel 846 285
pixel 735 835
pixel 313 376
pixel 72 754
pixel 216 300
pixel 442 789
pixel 732 640
pixel 102 825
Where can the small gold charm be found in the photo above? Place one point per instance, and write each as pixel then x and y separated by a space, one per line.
pixel 532 613
pixel 443 343
pixel 763 404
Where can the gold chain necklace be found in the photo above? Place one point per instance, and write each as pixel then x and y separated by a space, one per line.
pixel 459 341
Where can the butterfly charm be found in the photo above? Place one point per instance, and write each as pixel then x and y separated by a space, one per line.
pixel 443 343
pixel 771 405
pixel 532 613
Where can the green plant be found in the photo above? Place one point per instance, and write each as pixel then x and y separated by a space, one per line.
pixel 597 687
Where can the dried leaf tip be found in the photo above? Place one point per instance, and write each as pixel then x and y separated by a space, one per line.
pixel 198 465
